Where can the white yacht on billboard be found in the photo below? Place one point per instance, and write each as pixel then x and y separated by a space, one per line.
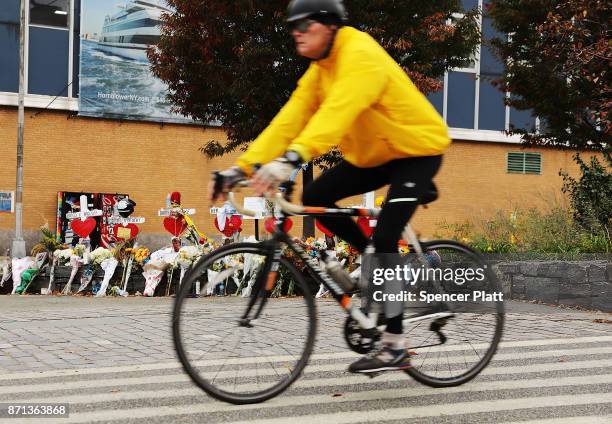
pixel 129 32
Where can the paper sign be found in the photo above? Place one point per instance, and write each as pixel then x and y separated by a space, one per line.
pixel 124 233
pixel 182 211
pixel 255 204
pixel 129 220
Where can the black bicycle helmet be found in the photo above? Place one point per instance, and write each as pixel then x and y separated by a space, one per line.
pixel 300 9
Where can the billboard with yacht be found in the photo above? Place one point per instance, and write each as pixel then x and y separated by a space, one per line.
pixel 115 80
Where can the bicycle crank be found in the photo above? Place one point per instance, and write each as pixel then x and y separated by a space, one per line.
pixel 359 340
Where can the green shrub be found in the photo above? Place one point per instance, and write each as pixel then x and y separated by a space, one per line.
pixel 591 195
pixel 528 231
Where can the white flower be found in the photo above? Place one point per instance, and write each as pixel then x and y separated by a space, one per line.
pixel 99 255
pixel 63 256
pixel 319 244
pixel 78 250
pixel 188 255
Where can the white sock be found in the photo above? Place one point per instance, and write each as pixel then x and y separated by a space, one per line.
pixel 394 341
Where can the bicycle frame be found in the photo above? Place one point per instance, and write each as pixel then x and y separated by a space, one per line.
pixel 270 270
pixel 274 248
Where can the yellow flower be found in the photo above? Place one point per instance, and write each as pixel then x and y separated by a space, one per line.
pixel 489 249
pixel 512 239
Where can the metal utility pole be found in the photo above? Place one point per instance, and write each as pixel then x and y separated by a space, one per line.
pixel 19 248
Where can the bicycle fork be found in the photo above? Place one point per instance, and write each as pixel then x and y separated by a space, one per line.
pixel 264 284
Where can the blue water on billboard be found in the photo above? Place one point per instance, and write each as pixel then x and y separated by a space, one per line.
pixel 114 85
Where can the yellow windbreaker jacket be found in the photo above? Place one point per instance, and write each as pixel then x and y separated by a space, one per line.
pixel 359 99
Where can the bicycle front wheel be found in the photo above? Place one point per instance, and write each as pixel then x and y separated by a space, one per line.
pixel 230 360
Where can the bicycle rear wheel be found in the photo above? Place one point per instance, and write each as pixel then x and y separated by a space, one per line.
pixel 229 360
pixel 449 351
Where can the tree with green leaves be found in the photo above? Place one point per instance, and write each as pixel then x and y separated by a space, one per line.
pixel 235 62
pixel 557 57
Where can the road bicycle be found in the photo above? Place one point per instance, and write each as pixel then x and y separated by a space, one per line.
pixel 251 347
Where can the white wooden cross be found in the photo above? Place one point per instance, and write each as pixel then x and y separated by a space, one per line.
pixel 83 213
pixel 176 211
pixel 114 220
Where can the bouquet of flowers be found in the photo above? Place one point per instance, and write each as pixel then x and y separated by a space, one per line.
pixel 141 255
pixel 48 242
pixel 63 256
pixel 28 274
pixel 188 255
pixel 75 262
pixel 153 270
pixel 19 266
pixel 343 250
pixel 100 255
pixel 232 266
pixel 108 265
pixel 5 265
pixel 316 244
pixel 207 245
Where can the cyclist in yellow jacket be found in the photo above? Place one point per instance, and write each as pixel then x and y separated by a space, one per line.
pixel 356 97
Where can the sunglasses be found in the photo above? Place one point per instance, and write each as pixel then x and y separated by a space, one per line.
pixel 301 25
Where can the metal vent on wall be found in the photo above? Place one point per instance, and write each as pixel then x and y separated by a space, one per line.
pixel 524 163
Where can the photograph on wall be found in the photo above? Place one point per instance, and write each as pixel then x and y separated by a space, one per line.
pixel 70 202
pixel 7 201
pixel 115 79
pixel 107 228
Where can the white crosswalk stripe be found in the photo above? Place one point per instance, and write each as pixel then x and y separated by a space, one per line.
pixel 444 409
pixel 530 384
pixel 590 419
pixel 335 355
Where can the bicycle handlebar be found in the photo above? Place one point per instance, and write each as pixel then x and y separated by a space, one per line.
pixel 286 206
pixel 232 200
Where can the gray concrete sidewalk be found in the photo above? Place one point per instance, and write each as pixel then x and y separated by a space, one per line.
pixel 43 333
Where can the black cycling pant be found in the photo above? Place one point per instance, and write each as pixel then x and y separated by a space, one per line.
pixel 408 179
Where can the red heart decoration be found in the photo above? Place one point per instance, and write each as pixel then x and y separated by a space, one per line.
pixel 175 225
pixel 119 229
pixel 228 229
pixel 236 222
pixel 323 229
pixel 83 228
pixel 270 225
pixel 364 225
